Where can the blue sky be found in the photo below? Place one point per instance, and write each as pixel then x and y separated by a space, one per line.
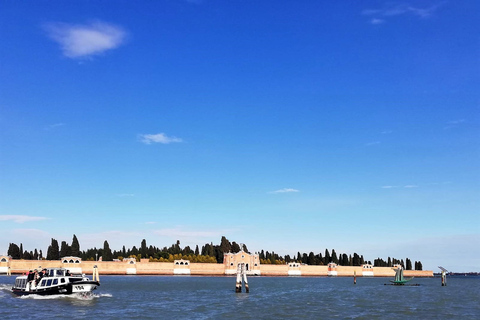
pixel 285 125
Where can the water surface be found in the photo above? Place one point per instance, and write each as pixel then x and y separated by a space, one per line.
pixel 188 297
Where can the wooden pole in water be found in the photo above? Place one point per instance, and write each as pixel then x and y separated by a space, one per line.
pixel 238 285
pixel 444 278
pixel 241 276
pixel 247 290
pixel 9 272
pixel 95 276
pixel 354 277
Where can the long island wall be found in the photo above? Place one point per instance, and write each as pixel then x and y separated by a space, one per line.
pixel 184 267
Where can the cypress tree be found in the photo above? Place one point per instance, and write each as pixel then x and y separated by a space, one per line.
pixel 326 258
pixel 334 256
pixel 75 248
pixel 64 249
pixel 225 245
pixel 53 251
pixel 13 251
pixel 107 253
pixel 143 249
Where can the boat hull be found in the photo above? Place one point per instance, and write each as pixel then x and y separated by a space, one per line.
pixel 81 287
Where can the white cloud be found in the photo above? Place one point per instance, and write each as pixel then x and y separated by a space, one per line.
pixel 373 143
pixel 285 190
pixel 20 218
pixel 409 186
pixel 389 187
pixel 182 233
pixel 53 126
pixel 77 41
pixel 158 138
pixel 32 233
pixel 398 9
pixel 377 21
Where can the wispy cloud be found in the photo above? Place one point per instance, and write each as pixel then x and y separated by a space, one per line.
pixel 392 9
pixel 32 233
pixel 386 132
pixel 21 218
pixel 408 186
pixel 454 123
pixel 285 190
pixel 373 143
pixel 158 138
pixel 125 195
pixel 377 21
pixel 180 232
pixel 54 126
pixel 79 41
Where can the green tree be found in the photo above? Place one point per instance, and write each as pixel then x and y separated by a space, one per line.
pixel 107 253
pixel 334 256
pixel 75 248
pixel 143 249
pixel 408 264
pixel 225 245
pixel 64 249
pixel 13 251
pixel 53 251
pixel 326 259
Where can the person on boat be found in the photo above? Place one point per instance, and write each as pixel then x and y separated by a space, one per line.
pixel 40 276
pixel 30 275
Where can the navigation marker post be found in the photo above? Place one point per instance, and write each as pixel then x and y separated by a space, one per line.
pixel 241 273
pixel 95 276
pixel 444 276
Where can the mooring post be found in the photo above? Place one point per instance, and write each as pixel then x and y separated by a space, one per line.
pixel 247 290
pixel 444 278
pixel 95 276
pixel 238 285
pixel 354 276
pixel 9 272
pixel 241 276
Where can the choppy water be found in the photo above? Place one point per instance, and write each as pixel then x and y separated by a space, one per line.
pixel 184 297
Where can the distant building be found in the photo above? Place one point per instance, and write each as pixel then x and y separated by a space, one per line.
pixel 332 269
pixel 181 267
pixel 71 260
pixel 251 261
pixel 367 270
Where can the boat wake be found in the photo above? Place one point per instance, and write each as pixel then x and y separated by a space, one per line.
pixel 74 296
pixel 5 287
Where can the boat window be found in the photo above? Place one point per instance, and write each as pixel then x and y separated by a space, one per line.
pixel 55 281
pixel 62 280
pixel 43 282
pixel 49 282
pixel 52 272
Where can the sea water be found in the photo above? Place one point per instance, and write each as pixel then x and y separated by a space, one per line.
pixel 190 297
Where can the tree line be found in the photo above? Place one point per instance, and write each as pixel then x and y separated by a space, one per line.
pixel 208 253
